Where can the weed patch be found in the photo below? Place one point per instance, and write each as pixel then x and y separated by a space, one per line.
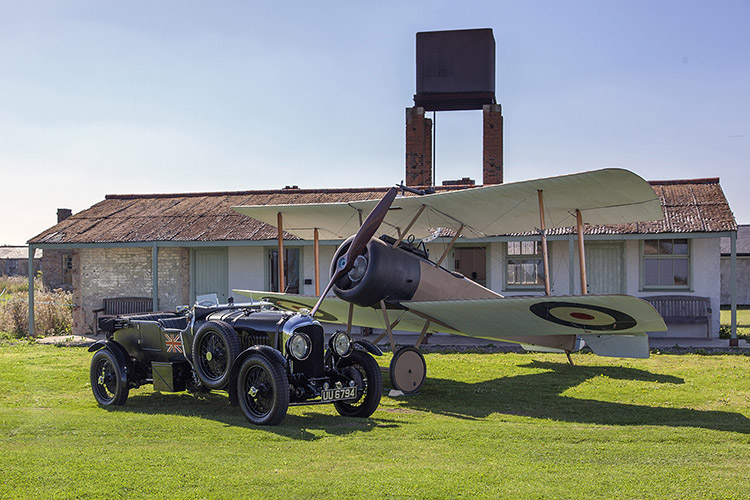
pixel 53 309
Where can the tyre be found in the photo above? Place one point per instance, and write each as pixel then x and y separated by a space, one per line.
pixel 364 370
pixel 408 370
pixel 107 379
pixel 263 390
pixel 215 347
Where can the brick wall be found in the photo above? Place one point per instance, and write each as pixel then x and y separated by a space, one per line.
pixel 100 273
pixel 418 148
pixel 52 269
pixel 492 155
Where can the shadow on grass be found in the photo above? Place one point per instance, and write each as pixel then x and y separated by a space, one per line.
pixel 539 395
pixel 215 406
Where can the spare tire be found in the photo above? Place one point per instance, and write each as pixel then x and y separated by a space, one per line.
pixel 215 347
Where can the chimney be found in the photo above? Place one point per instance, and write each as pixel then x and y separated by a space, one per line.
pixel 418 148
pixel 492 154
pixel 63 213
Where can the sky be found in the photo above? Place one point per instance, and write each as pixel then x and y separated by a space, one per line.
pixel 103 97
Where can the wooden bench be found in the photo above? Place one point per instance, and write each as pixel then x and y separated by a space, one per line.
pixel 117 306
pixel 683 309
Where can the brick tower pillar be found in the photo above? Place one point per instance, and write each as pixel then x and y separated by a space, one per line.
pixel 418 148
pixel 492 155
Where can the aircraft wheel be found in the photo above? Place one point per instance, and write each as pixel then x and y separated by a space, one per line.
pixel 408 370
pixel 263 390
pixel 215 347
pixel 106 379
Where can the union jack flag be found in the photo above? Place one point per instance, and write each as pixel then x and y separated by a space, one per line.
pixel 173 342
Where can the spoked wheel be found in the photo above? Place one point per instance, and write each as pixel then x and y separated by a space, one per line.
pixel 263 390
pixel 215 347
pixel 408 370
pixel 107 379
pixel 364 370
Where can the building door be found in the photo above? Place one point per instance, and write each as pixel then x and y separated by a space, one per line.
pixel 210 273
pixel 605 269
pixel 291 270
pixel 472 263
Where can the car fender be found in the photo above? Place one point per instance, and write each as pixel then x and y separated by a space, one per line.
pixel 264 350
pixel 118 351
pixel 369 347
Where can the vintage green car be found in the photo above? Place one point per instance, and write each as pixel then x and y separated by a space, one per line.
pixel 264 358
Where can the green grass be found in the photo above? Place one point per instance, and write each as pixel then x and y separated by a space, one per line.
pixel 484 426
pixel 743 319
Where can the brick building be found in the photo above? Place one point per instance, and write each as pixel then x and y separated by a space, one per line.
pixel 172 247
pixel 14 261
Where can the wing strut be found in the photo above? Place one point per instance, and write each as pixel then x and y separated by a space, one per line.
pixel 349 320
pixel 316 252
pixel 581 253
pixel 388 327
pixel 406 231
pixel 450 246
pixel 423 334
pixel 543 231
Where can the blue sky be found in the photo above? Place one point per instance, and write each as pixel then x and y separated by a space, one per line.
pixel 177 96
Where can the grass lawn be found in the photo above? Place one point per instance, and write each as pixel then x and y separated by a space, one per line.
pixel 743 319
pixel 485 426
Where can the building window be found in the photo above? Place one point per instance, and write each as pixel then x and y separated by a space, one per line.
pixel 524 267
pixel 12 267
pixel 666 263
pixel 67 269
pixel 291 270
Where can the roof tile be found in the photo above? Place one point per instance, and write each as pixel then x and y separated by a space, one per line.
pixel 697 205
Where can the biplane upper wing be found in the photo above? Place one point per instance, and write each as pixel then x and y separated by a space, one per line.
pixel 487 210
pixel 612 325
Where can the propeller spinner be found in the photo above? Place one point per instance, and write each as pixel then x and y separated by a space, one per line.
pixel 358 244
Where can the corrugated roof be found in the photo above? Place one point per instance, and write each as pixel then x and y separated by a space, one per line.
pixel 743 241
pixel 17 253
pixel 696 205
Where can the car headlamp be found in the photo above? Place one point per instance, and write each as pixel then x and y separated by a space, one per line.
pixel 299 346
pixel 341 343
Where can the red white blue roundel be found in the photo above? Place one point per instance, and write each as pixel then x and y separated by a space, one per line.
pixel 589 317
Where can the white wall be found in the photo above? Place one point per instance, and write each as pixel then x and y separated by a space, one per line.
pixel 308 267
pixel 704 279
pixel 246 269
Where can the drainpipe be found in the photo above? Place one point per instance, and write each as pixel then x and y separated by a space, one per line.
pixel 733 280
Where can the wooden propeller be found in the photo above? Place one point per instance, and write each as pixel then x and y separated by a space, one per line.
pixel 360 241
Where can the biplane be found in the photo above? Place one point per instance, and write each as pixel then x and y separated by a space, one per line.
pixel 390 282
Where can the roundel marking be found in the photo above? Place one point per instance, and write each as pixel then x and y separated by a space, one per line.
pixel 580 315
pixel 589 317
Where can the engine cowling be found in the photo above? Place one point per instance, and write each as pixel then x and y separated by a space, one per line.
pixel 381 272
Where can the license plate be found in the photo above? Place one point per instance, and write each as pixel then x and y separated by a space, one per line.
pixel 327 395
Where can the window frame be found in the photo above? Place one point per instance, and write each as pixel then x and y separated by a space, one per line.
pixel 507 256
pixel 66 274
pixel 659 257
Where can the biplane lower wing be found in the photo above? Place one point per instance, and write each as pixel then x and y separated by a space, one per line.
pixel 335 310
pixel 611 325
